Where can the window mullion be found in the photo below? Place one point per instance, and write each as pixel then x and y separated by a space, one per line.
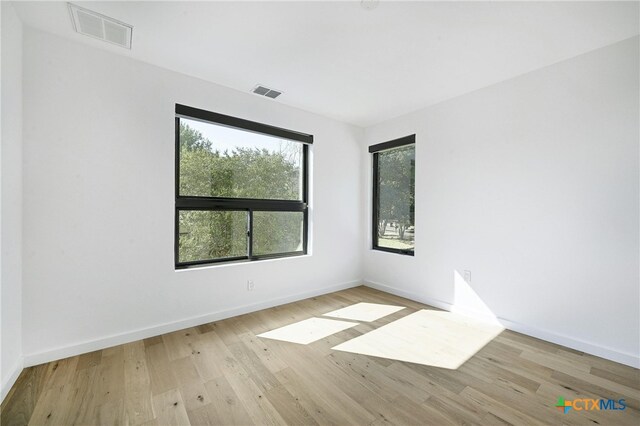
pixel 210 203
pixel 250 235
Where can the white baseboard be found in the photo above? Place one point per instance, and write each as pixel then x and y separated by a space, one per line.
pixel 143 333
pixel 9 379
pixel 118 339
pixel 549 336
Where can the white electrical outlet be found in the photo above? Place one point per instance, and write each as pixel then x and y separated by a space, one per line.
pixel 467 277
pixel 250 285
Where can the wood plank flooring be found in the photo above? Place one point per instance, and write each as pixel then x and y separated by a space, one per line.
pixel 222 374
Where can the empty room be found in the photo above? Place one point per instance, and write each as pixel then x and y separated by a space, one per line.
pixel 359 212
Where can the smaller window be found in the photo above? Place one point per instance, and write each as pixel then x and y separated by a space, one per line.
pixel 394 195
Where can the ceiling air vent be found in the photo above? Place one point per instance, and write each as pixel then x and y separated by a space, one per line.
pixel 265 91
pixel 102 27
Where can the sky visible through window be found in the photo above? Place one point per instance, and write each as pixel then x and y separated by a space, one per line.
pixel 227 138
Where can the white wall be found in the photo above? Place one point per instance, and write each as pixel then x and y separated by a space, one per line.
pixel 99 203
pixel 533 185
pixel 553 248
pixel 11 198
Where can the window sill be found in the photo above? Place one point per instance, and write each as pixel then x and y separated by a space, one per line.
pixel 409 253
pixel 239 262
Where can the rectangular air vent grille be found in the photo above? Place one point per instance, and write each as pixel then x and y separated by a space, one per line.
pixel 99 26
pixel 265 91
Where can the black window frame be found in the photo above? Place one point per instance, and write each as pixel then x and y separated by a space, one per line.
pixel 250 205
pixel 375 150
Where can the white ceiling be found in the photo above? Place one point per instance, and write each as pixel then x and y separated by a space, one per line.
pixel 339 60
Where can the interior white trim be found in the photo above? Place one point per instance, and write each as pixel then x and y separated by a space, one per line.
pixel 143 333
pixel 549 336
pixel 10 379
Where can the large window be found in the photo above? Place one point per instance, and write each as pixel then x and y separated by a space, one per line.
pixel 394 195
pixel 241 189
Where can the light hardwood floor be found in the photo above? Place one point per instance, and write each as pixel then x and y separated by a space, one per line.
pixel 221 373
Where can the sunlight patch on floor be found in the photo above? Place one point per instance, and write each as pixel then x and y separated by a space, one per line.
pixel 364 311
pixel 435 338
pixel 308 331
